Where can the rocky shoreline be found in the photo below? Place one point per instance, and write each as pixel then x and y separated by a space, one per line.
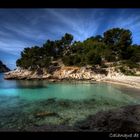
pixel 75 74
pixel 63 73
pixel 124 119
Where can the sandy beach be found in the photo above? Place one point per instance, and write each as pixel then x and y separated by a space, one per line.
pixel 130 81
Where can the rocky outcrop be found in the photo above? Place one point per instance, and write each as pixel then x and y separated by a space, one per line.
pixel 57 73
pixel 3 68
pixel 125 119
pixel 77 73
pixel 112 73
pixel 26 74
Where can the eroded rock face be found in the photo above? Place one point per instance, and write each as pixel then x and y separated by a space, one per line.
pixel 77 73
pixel 113 74
pixel 125 119
pixel 27 74
pixel 3 68
pixel 18 74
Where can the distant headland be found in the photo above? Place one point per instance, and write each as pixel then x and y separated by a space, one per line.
pixel 3 67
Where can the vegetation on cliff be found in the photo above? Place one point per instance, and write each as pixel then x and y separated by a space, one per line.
pixel 114 46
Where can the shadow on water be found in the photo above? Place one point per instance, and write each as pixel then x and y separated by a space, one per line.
pixel 31 84
pixel 23 84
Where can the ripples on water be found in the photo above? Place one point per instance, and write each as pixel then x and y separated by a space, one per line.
pixel 20 101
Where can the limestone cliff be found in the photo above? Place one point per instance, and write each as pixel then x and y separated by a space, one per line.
pixel 59 73
pixel 77 73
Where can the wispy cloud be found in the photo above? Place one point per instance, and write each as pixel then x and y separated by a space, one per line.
pixel 81 27
pixel 21 28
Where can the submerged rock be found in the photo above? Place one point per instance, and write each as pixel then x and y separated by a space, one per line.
pixel 51 100
pixel 45 114
pixel 45 128
pixel 125 119
pixel 64 104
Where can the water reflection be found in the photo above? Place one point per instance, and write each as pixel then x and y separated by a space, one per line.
pixel 31 84
pixel 23 84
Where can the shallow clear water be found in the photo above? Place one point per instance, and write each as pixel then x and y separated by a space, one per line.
pixel 20 101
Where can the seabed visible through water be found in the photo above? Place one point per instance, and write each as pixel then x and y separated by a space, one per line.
pixel 60 103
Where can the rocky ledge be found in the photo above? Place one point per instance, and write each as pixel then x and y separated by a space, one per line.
pixel 90 74
pixel 125 119
pixel 58 73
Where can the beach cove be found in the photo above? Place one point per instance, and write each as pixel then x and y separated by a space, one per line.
pixel 58 103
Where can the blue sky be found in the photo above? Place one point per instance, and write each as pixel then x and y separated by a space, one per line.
pixel 20 28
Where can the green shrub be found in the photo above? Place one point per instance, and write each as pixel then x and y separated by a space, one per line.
pixel 68 60
pixel 131 64
pixel 126 72
pixel 110 58
pixel 103 65
pixel 92 58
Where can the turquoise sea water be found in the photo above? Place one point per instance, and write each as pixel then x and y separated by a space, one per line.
pixel 20 101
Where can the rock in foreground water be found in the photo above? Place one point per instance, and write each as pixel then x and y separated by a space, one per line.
pixel 125 119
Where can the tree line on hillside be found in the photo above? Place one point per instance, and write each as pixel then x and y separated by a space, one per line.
pixel 115 45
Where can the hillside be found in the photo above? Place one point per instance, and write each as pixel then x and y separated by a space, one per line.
pixel 115 45
pixel 94 58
